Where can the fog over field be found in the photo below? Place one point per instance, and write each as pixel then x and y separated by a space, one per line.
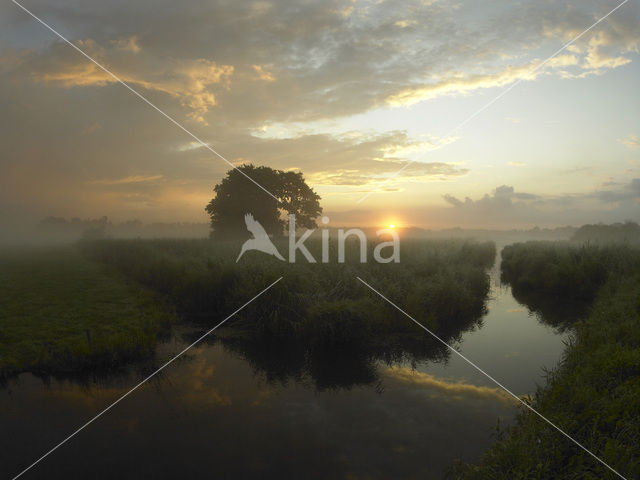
pixel 320 239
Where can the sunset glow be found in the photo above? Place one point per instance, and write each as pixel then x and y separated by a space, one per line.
pixel 370 128
pixel 342 226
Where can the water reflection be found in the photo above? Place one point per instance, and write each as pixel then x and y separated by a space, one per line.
pixel 211 416
pixel 245 406
pixel 557 313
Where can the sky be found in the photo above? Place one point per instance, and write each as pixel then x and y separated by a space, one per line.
pixel 348 92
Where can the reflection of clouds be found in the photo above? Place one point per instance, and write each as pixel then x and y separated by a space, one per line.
pixel 210 379
pixel 203 379
pixel 401 433
pixel 457 389
pixel 75 394
pixel 197 384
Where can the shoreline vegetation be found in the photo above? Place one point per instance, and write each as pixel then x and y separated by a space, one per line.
pixel 445 279
pixel 102 303
pixel 320 312
pixel 594 392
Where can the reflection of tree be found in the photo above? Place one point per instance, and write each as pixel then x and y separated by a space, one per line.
pixel 309 358
pixel 549 310
pixel 558 281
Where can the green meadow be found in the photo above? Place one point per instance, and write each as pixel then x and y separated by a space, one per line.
pixel 63 313
pixel 104 302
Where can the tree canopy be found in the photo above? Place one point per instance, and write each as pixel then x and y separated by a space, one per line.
pixel 236 195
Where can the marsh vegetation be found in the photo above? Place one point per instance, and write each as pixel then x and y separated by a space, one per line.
pixel 105 301
pixel 104 304
pixel 320 314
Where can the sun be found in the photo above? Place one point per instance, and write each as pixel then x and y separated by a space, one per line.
pixel 392 225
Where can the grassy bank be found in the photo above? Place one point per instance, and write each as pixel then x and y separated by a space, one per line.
pixel 101 303
pixel 318 312
pixel 594 393
pixel 444 280
pixel 60 312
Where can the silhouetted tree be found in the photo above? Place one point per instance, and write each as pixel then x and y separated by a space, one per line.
pixel 236 195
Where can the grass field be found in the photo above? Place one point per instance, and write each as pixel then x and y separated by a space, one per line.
pixel 594 394
pixel 319 318
pixel 60 312
pixel 446 281
pixel 102 303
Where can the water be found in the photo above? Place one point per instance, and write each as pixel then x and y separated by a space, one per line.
pixel 235 412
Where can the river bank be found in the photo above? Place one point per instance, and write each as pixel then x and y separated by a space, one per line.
pixel 594 392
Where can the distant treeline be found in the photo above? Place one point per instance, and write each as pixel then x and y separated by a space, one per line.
pixel 59 228
pixel 627 232
pixel 510 235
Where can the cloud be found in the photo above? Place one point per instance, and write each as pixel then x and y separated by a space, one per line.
pixel 502 197
pixel 612 201
pixel 191 81
pixel 263 74
pixel 632 141
pixel 453 390
pixel 355 159
pixel 126 180
pixel 332 58
pixel 231 68
pixel 626 192
pixel 128 44
pixel 379 171
pixel 462 83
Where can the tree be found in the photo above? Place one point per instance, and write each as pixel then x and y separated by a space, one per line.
pixel 236 195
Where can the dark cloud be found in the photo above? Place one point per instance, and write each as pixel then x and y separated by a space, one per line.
pixel 325 58
pixel 501 198
pixel 628 192
pixel 506 206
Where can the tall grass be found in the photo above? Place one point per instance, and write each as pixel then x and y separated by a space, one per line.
pixel 560 280
pixel 443 280
pixel 321 306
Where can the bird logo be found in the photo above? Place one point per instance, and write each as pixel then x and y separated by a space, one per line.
pixel 260 240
